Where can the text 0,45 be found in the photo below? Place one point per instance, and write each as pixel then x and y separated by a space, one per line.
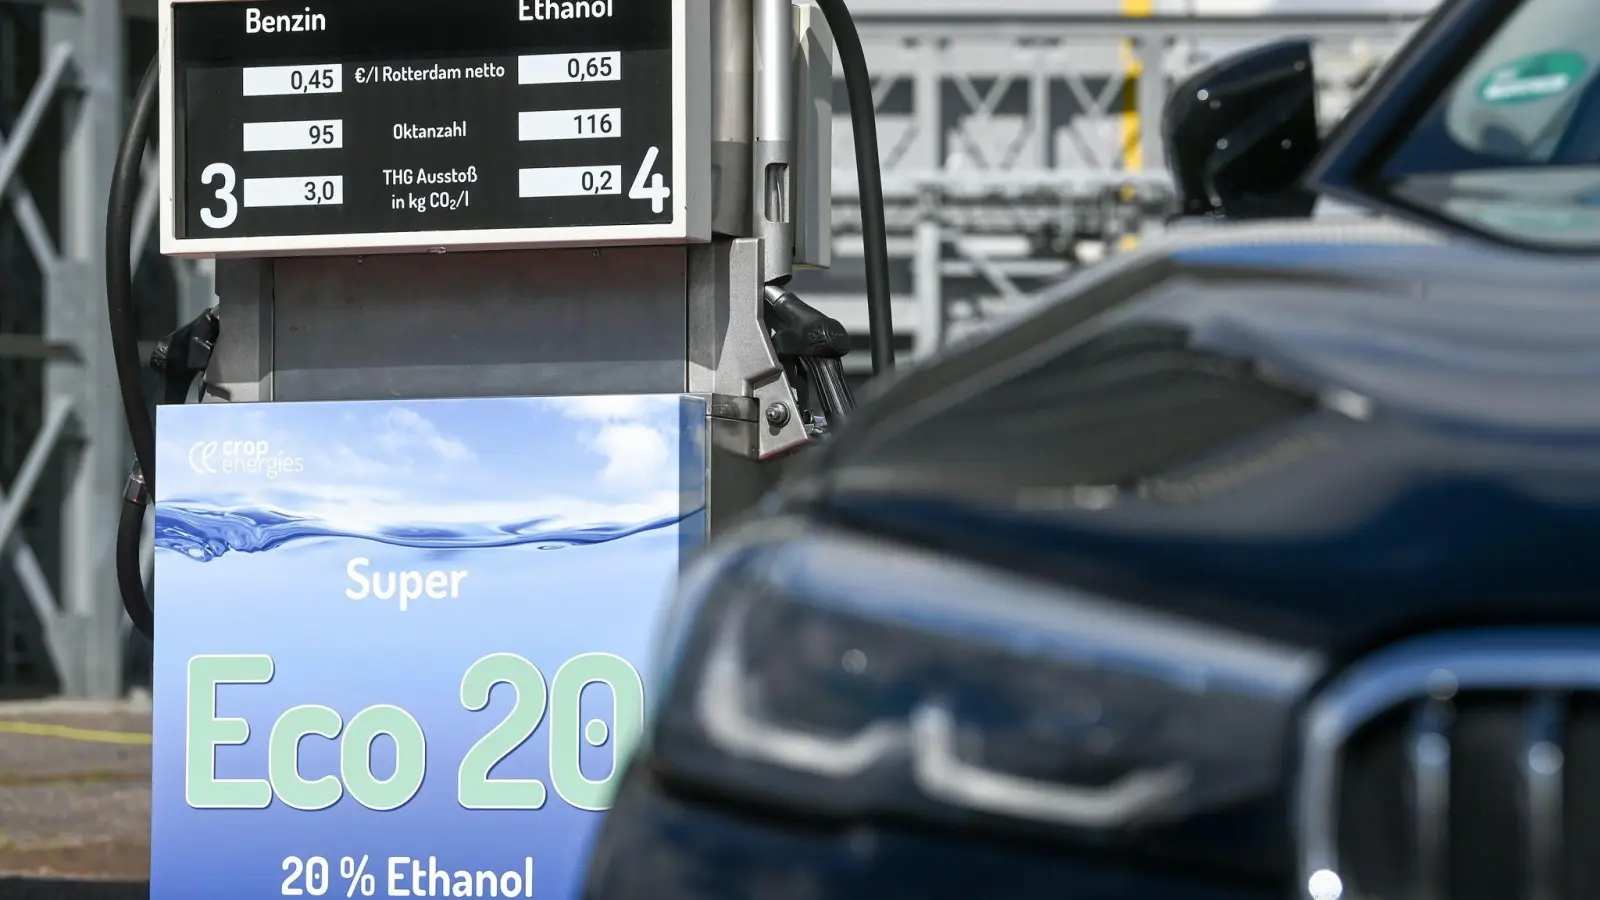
pixel 274 81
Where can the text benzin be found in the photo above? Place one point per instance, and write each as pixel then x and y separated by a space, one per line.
pixel 544 10
pixel 256 23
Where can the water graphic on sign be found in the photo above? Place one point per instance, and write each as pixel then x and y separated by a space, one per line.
pixel 204 533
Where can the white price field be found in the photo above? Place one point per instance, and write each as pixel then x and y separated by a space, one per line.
pixel 569 124
pixel 566 68
pixel 569 181
pixel 320 190
pixel 327 134
pixel 271 81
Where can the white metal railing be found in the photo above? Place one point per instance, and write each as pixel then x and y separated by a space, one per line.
pixel 1044 125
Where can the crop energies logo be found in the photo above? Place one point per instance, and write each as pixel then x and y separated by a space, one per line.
pixel 242 458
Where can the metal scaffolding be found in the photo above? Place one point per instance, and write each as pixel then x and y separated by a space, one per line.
pixel 80 84
pixel 1016 146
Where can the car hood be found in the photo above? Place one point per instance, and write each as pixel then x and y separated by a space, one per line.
pixel 1440 464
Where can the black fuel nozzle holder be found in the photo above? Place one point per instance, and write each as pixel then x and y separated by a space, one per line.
pixel 799 330
pixel 184 355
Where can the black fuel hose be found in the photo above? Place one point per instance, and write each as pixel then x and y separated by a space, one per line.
pixel 120 212
pixel 869 180
pixel 125 181
pixel 130 574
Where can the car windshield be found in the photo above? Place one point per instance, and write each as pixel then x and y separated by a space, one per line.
pixel 1512 146
pixel 1557 207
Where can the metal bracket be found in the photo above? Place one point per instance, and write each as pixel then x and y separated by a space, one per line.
pixel 731 356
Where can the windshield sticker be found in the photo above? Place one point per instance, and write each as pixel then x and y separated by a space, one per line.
pixel 1533 78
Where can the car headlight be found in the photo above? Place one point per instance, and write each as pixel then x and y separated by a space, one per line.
pixel 836 675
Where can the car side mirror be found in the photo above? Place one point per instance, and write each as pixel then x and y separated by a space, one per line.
pixel 1242 132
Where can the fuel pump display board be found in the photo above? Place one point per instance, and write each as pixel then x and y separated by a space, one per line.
pixel 389 125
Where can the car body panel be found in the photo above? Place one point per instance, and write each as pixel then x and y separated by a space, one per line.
pixel 1470 458
pixel 677 847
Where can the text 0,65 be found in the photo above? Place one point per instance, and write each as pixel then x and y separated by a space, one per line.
pixel 566 68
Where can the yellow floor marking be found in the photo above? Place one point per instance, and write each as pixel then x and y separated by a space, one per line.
pixel 68 733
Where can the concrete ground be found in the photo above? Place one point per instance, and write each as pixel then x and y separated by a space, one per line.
pixel 74 801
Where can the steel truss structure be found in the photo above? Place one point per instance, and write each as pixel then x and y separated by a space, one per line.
pixel 60 618
pixel 1014 147
pixel 80 78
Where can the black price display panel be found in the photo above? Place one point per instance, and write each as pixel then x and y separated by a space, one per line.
pixel 307 126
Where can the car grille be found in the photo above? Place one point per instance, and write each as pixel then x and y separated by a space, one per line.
pixel 1457 767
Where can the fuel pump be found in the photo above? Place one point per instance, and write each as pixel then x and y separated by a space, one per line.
pixel 505 324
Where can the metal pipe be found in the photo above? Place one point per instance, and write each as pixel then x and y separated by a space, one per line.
pixel 732 81
pixel 772 182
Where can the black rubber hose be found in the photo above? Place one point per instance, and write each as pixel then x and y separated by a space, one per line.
pixel 120 211
pixel 869 180
pixel 125 181
pixel 130 574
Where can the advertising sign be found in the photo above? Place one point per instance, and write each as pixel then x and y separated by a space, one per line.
pixel 402 646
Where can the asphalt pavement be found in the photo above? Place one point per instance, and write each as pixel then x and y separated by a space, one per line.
pixel 74 801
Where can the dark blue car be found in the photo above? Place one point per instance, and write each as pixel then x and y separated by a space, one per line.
pixel 1264 564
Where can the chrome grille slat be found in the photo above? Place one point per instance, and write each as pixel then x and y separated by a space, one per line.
pixel 1429 756
pixel 1528 675
pixel 1543 766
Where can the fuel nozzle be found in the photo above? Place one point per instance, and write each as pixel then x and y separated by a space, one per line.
pixel 183 355
pixel 802 335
